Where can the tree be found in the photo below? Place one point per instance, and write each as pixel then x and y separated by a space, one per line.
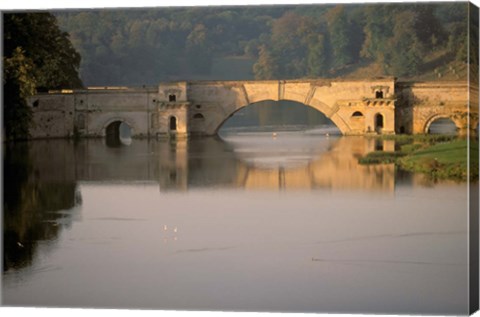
pixel 318 57
pixel 37 56
pixel 18 84
pixel 428 28
pixel 405 48
pixel 339 28
pixel 266 66
pixel 288 44
pixel 38 35
pixel 378 28
pixel 198 52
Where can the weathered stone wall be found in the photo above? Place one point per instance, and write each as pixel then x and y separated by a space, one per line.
pixel 100 108
pixel 88 112
pixel 370 98
pixel 215 102
pixel 53 115
pixel 356 107
pixel 420 104
pixel 166 114
pixel 172 92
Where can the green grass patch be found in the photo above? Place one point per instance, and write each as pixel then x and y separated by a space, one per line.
pixel 380 157
pixel 442 161
pixel 420 138
pixel 410 148
pixel 438 156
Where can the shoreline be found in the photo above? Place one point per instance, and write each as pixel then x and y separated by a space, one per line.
pixel 437 156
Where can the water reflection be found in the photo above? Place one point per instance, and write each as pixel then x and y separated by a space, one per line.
pixel 36 191
pixel 265 224
pixel 43 176
pixel 285 162
pixel 312 163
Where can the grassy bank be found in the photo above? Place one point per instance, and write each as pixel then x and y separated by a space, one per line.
pixel 380 157
pixel 440 157
pixel 426 139
pixel 443 160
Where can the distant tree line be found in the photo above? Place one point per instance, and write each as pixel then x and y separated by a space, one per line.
pixel 144 46
pixel 399 37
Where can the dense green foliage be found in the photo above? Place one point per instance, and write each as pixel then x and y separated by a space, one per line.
pixel 37 56
pixel 136 47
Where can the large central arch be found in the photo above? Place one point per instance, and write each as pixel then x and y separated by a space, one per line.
pixel 320 107
pixel 337 100
pixel 317 95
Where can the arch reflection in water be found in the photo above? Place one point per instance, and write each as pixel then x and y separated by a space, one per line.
pixel 298 162
pixel 289 161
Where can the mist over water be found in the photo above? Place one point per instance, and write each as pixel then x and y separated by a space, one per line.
pixel 279 220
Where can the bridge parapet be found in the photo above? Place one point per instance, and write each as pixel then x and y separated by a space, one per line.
pixel 379 105
pixel 172 91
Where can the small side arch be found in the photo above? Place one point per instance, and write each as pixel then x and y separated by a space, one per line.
pixel 434 118
pixel 108 122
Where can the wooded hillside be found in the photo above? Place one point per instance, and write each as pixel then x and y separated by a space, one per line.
pixel 145 46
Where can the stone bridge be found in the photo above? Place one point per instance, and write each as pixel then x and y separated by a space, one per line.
pixel 356 107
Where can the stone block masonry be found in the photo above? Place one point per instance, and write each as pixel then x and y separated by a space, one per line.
pixel 180 109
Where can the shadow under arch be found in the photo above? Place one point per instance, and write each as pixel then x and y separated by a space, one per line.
pixel 315 104
pixel 435 118
pixel 113 134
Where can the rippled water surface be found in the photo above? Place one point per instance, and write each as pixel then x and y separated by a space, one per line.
pixel 264 221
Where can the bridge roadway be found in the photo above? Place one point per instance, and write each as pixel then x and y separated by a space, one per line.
pixel 357 107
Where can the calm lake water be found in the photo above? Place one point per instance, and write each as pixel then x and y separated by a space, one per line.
pixel 251 222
